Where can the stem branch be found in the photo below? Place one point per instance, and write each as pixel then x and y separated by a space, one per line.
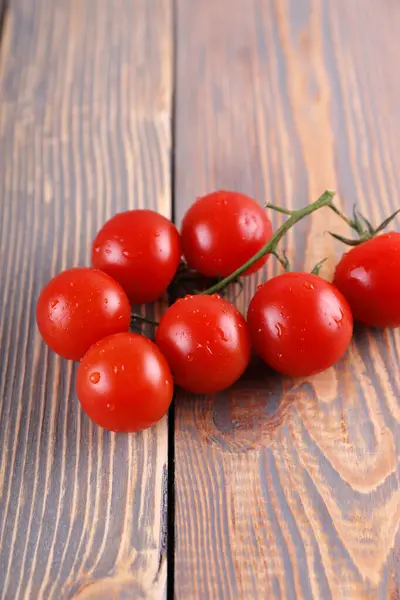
pixel 349 222
pixel 137 317
pixel 279 209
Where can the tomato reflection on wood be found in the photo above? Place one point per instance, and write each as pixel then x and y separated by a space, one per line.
pixel 290 489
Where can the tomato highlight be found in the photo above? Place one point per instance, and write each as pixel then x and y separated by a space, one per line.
pixel 79 307
pixel 124 383
pixel 141 250
pixel 221 231
pixel 206 343
pixel 299 324
pixel 368 276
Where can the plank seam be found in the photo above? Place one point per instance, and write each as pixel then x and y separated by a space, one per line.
pixel 171 413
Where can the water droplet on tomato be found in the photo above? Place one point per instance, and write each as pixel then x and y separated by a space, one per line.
pixel 97 249
pixel 216 296
pixel 308 285
pixel 71 284
pixel 110 406
pixel 54 303
pixel 125 253
pixel 338 320
pixel 222 334
pixel 259 286
pixel 279 329
pixel 280 355
pixel 115 369
pixel 122 367
pixel 107 250
pixel 94 377
pixel 190 357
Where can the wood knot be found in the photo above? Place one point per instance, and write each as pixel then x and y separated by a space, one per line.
pixel 121 587
pixel 247 415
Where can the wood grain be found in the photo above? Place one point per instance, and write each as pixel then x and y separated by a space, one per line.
pixel 290 489
pixel 85 102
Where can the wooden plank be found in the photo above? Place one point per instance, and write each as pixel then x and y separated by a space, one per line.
pixel 85 102
pixel 290 489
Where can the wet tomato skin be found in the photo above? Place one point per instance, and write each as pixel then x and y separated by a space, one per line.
pixel 124 383
pixel 368 276
pixel 141 250
pixel 221 231
pixel 78 307
pixel 206 343
pixel 299 324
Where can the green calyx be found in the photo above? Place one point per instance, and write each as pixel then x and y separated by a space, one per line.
pixel 361 226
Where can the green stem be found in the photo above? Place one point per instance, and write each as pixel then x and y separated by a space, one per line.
pixel 279 209
pixel 284 261
pixel 318 266
pixel 349 222
pixel 270 246
pixel 137 317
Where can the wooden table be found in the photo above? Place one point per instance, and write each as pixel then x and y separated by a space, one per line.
pixel 276 488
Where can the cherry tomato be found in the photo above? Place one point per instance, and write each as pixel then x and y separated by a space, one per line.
pixel 124 383
pixel 369 278
pixel 141 250
pixel 77 308
pixel 221 231
pixel 205 341
pixel 299 324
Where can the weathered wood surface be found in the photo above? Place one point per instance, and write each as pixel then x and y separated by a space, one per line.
pixel 85 101
pixel 284 489
pixel 290 489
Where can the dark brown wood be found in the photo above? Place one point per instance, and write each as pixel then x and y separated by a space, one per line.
pixel 290 489
pixel 85 102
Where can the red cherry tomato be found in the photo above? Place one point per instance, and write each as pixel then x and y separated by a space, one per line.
pixel 124 383
pixel 205 341
pixel 141 250
pixel 77 308
pixel 221 231
pixel 299 324
pixel 369 278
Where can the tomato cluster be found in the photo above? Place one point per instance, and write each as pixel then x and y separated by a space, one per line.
pixel 297 322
